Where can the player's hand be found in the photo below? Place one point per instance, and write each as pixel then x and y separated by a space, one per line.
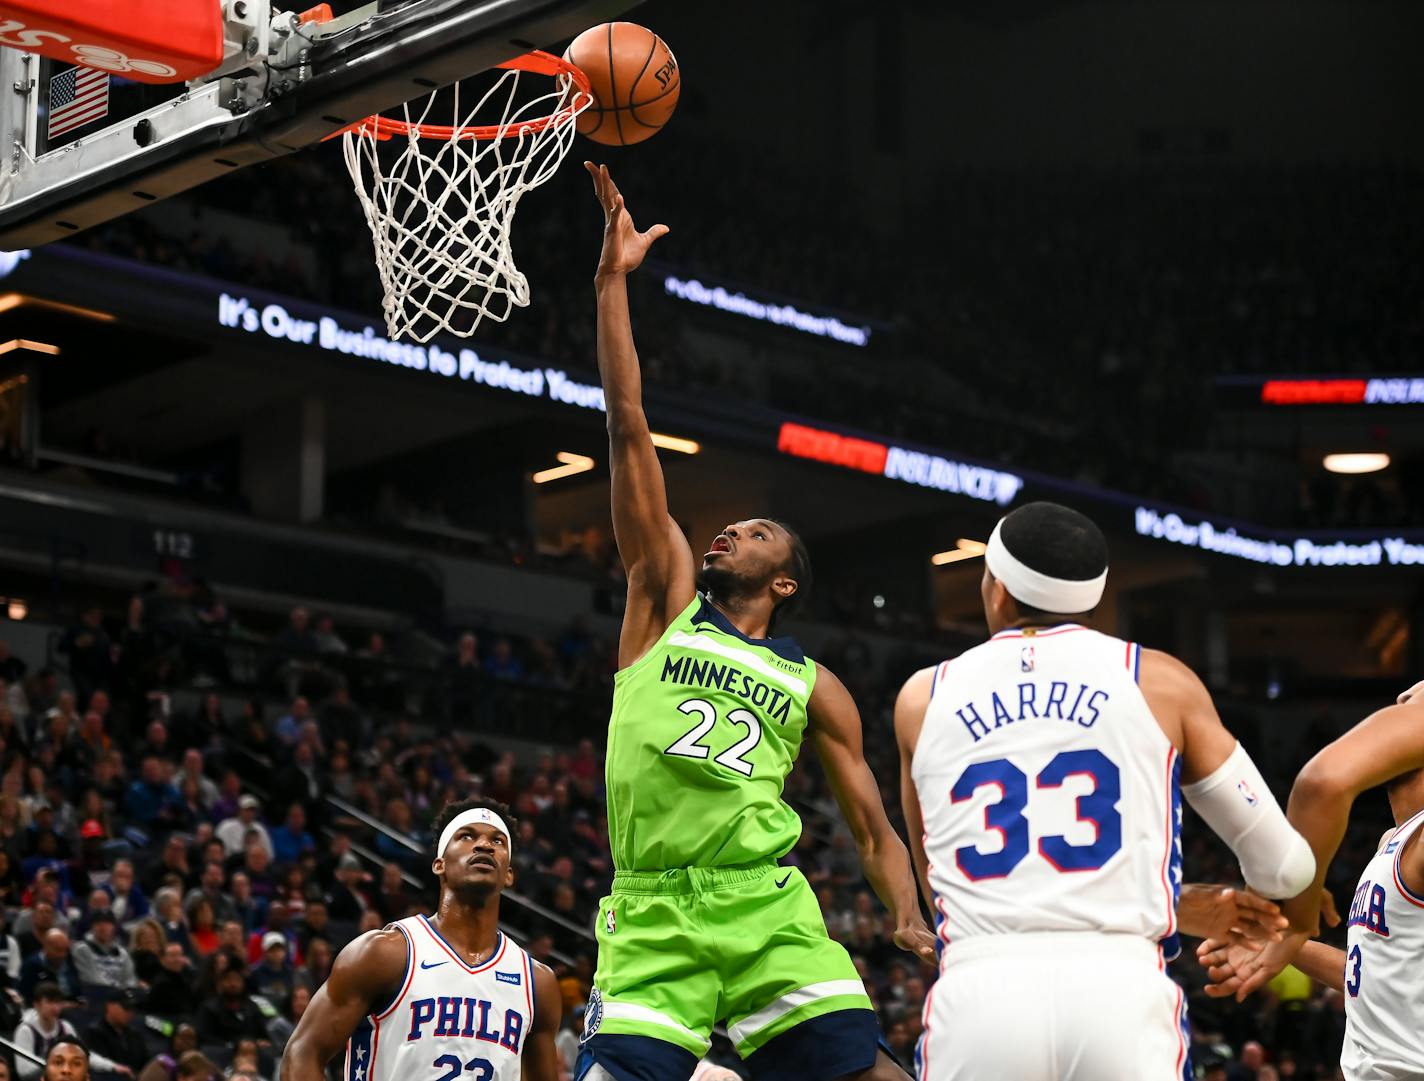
pixel 1243 966
pixel 914 937
pixel 1328 911
pixel 623 246
pixel 1221 913
pixel 1415 693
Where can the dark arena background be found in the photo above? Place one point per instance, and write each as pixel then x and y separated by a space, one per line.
pixel 928 261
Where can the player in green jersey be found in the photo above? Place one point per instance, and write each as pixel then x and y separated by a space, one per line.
pixel 709 714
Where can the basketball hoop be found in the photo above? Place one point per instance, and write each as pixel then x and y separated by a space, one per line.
pixel 441 204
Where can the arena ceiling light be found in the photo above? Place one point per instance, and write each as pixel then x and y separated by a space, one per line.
pixel 677 443
pixel 963 549
pixel 573 464
pixel 1366 462
pixel 9 301
pixel 33 347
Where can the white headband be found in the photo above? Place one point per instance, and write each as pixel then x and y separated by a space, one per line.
pixel 1061 596
pixel 464 818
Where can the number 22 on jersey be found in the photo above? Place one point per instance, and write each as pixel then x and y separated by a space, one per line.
pixel 690 745
pixel 1005 816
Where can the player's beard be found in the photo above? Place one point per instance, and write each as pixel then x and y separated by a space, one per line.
pixel 720 582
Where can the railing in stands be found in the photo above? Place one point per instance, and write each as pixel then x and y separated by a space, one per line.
pixel 524 901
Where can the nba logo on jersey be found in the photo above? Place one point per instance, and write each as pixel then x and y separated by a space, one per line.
pixel 1026 661
pixel 611 922
pixel 1246 793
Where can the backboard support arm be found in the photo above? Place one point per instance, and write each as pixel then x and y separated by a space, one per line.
pixel 308 82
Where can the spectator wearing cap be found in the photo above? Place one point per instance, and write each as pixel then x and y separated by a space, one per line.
pixel 101 959
pixel 42 1027
pixel 92 865
pixel 290 840
pixel 126 896
pixel 278 920
pixel 114 1036
pixel 235 832
pixel 52 964
pixel 273 976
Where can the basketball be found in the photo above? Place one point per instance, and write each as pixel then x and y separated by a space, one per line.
pixel 634 78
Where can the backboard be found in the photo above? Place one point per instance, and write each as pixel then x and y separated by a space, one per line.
pixel 282 85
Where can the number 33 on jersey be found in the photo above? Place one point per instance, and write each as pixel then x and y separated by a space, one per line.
pixel 1049 792
pixel 705 727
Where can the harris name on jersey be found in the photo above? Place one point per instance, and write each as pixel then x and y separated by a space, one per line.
pixel 1031 701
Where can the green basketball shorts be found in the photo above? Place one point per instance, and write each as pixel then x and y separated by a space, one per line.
pixel 679 951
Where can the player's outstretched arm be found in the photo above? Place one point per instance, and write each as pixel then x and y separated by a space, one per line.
pixel 540 1060
pixel 1238 966
pixel 655 554
pixel 1385 745
pixel 836 734
pixel 1223 785
pixel 910 706
pixel 367 974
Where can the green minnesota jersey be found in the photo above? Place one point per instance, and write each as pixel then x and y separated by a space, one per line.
pixel 705 728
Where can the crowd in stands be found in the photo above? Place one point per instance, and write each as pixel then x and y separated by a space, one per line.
pixel 1128 286
pixel 175 879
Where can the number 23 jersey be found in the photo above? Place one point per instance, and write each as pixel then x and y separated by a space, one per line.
pixel 1384 995
pixel 705 728
pixel 451 1021
pixel 1050 794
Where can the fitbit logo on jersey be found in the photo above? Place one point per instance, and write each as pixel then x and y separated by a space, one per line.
pixel 466 1018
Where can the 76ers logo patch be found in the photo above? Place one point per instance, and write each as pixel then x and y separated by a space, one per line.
pixel 592 1014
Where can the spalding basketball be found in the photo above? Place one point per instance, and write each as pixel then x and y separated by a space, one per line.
pixel 634 79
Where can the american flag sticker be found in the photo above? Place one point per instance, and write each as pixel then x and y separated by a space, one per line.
pixel 77 97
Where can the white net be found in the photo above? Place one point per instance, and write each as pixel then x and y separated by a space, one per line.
pixel 440 198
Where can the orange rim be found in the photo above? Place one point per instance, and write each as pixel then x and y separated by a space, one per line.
pixel 536 62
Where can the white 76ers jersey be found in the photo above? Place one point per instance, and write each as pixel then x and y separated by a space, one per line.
pixel 450 1022
pixel 1384 991
pixel 1049 793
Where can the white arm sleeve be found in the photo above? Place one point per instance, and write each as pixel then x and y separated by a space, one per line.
pixel 1234 801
